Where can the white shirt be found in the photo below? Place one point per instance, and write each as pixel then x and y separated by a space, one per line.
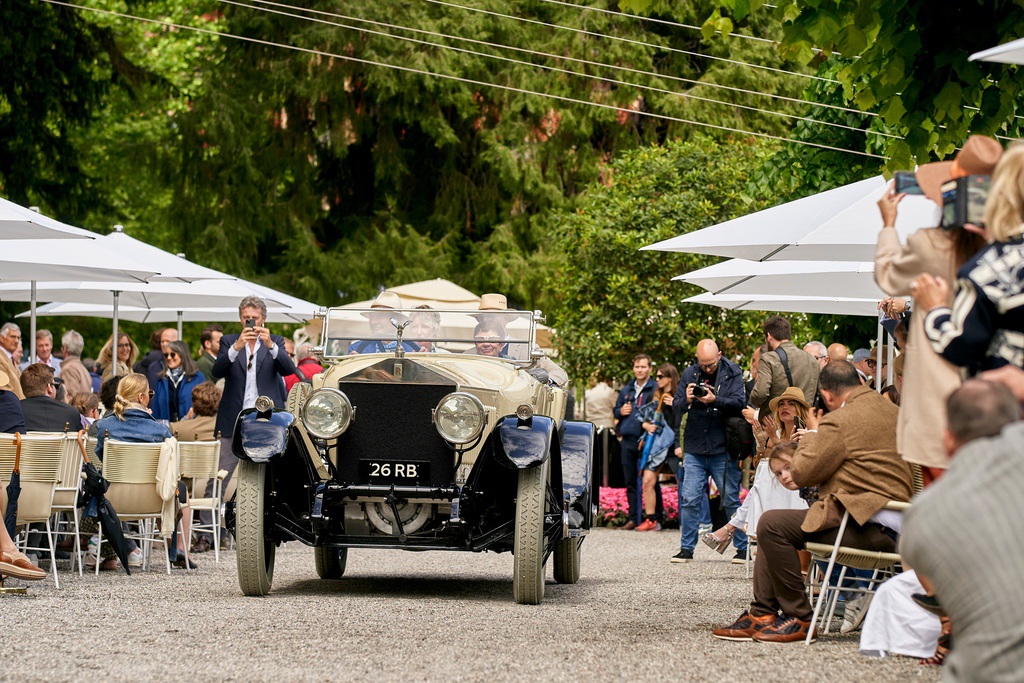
pixel 251 392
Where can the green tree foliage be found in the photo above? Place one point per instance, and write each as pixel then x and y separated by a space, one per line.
pixel 617 301
pixel 907 61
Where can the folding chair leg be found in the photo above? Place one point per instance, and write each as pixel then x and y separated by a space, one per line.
pixel 53 553
pixel 99 547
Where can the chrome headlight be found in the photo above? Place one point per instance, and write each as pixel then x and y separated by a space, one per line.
pixel 327 413
pixel 459 417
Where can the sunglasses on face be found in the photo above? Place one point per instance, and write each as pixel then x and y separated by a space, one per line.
pixel 660 376
pixel 170 355
pixel 151 394
pixel 872 363
pixel 124 346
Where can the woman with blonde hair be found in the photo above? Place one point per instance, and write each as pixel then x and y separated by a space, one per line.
pixel 984 327
pixel 127 352
pixel 133 421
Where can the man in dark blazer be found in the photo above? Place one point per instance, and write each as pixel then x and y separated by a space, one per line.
pixel 11 419
pixel 253 364
pixel 43 412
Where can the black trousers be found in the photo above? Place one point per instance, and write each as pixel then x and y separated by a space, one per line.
pixel 630 472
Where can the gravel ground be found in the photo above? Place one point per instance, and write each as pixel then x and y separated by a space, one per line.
pixel 402 616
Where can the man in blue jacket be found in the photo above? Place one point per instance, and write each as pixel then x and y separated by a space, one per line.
pixel 632 396
pixel 709 391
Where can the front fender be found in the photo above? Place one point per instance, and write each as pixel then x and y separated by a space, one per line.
pixel 579 472
pixel 259 439
pixel 525 443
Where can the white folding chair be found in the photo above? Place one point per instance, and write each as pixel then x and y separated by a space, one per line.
pixel 131 470
pixel 199 462
pixel 37 456
pixel 65 495
pixel 882 565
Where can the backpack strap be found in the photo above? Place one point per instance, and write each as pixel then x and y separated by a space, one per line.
pixel 781 353
pixel 300 374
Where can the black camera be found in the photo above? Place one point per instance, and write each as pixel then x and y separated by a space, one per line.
pixel 699 390
pixel 963 201
pixel 250 323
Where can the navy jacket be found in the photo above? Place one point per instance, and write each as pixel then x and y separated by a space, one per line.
pixel 630 427
pixel 161 404
pixel 269 382
pixel 705 427
pixel 11 418
pixel 45 414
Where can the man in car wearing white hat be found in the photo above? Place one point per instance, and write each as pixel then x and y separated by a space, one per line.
pixel 381 327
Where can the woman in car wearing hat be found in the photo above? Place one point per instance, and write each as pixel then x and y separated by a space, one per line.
pixel 927 378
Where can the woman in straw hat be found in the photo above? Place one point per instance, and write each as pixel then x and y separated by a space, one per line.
pixel 928 379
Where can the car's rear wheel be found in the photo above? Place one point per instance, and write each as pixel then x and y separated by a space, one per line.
pixel 330 562
pixel 254 550
pixel 528 572
pixel 567 560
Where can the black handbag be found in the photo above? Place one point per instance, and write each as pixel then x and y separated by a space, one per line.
pixel 739 438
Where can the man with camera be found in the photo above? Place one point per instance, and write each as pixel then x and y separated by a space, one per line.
pixel 710 391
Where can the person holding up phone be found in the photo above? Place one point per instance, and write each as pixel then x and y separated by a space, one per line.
pixel 928 379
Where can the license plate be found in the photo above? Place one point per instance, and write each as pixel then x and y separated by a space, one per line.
pixel 401 472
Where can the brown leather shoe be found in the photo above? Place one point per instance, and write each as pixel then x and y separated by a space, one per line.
pixel 628 526
pixel 785 630
pixel 745 627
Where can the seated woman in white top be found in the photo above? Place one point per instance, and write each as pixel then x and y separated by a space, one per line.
pixel 770 491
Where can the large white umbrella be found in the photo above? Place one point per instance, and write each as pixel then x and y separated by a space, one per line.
pixel 837 225
pixel 1007 53
pixel 791 304
pixel 20 223
pixel 846 279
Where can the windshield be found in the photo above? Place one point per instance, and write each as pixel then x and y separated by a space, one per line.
pixel 498 334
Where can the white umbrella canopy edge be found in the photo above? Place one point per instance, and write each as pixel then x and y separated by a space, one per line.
pixel 169 266
pixel 166 315
pixel 18 222
pixel 1007 53
pixel 843 279
pixel 789 304
pixel 157 294
pixel 759 235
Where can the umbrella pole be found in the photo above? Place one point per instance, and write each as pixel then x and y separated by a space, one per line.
pixel 180 336
pixel 32 326
pixel 114 338
pixel 878 358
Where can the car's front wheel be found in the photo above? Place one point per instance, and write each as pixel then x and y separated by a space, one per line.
pixel 254 550
pixel 330 562
pixel 528 572
pixel 567 560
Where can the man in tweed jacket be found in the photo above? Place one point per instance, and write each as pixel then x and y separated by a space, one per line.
pixel 851 456
pixel 963 535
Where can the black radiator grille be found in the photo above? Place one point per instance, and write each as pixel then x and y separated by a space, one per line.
pixel 392 424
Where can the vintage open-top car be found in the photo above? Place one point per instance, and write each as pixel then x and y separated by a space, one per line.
pixel 462 446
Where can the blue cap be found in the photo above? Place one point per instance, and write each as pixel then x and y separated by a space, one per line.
pixel 861 354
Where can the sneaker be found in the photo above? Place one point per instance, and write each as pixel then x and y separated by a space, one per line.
pixel 856 610
pixel 745 627
pixel 90 559
pixel 784 630
pixel 683 555
pixel 740 557
pixel 649 525
pixel 135 558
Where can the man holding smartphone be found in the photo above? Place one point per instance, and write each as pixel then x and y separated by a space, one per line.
pixel 252 364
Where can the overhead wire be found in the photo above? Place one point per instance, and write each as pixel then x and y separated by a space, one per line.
pixel 629 40
pixel 424 72
pixel 539 66
pixel 576 60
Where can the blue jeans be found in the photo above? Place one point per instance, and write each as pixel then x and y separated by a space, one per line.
pixel 693 494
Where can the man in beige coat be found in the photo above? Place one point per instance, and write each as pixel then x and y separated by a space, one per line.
pixel 772 379
pixel 10 338
pixel 76 378
pixel 851 456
